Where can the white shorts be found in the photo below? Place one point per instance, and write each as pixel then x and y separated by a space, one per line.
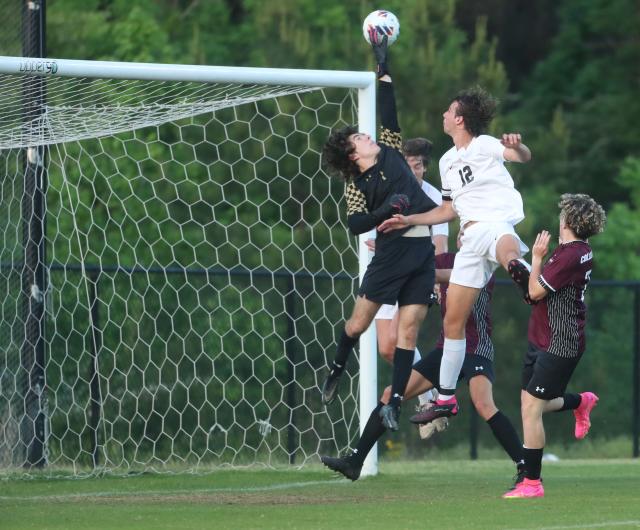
pixel 386 312
pixel 476 260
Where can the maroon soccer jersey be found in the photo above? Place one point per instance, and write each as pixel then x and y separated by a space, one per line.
pixel 478 329
pixel 557 321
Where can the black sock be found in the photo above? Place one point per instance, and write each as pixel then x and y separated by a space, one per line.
pixel 372 431
pixel 345 345
pixel 571 402
pixel 532 463
pixel 402 363
pixel 506 434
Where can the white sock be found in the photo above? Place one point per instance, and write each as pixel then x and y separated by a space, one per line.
pixel 426 397
pixel 524 262
pixel 416 355
pixel 452 360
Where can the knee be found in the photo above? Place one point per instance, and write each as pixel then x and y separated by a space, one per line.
pixel 387 353
pixel 485 407
pixel 453 326
pixel 355 327
pixel 530 409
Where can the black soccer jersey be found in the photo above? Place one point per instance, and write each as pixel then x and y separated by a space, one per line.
pixel 389 175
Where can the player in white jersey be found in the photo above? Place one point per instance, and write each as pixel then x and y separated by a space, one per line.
pixel 417 153
pixel 477 188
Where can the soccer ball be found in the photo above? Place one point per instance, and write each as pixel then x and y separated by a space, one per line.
pixel 385 23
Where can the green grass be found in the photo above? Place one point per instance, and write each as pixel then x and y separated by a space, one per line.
pixel 435 494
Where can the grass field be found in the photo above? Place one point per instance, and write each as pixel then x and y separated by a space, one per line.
pixel 444 495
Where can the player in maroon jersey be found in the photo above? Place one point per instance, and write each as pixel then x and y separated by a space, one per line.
pixel 556 332
pixel 477 369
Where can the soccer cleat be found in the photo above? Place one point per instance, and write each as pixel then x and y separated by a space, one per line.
pixel 518 478
pixel 330 387
pixel 345 466
pixel 389 416
pixel 583 423
pixel 427 430
pixel 526 489
pixel 520 272
pixel 440 409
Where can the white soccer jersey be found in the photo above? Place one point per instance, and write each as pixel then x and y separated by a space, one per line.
pixel 433 193
pixel 478 183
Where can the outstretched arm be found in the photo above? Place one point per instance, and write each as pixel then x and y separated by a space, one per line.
pixel 389 127
pixel 514 149
pixel 442 214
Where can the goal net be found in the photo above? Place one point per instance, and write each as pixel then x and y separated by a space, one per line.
pixel 180 304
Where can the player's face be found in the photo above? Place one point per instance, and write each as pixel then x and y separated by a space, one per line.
pixel 365 146
pixel 417 166
pixel 451 118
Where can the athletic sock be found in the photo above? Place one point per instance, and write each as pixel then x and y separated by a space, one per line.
pixel 450 366
pixel 416 355
pixel 402 363
pixel 532 463
pixel 372 431
pixel 571 402
pixel 345 345
pixel 427 396
pixel 507 436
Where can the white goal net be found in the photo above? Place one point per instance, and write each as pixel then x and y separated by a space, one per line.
pixel 179 307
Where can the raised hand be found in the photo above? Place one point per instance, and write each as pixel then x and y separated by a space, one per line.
pixel 511 140
pixel 379 47
pixel 541 245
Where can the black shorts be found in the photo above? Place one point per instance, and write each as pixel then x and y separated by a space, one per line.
pixel 545 375
pixel 429 367
pixel 403 272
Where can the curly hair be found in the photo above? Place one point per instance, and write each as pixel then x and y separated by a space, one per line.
pixel 477 107
pixel 418 147
pixel 582 215
pixel 336 153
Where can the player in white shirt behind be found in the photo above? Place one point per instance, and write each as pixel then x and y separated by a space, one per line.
pixel 417 153
pixel 477 188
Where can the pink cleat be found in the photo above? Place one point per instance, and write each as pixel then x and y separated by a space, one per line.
pixel 589 400
pixel 526 489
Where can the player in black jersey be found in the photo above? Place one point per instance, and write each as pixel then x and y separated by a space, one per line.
pixel 379 184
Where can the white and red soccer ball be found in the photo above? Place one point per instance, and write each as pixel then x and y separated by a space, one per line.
pixel 384 22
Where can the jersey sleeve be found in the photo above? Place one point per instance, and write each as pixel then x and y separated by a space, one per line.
pixel 491 146
pixel 389 128
pixel 359 219
pixel 560 270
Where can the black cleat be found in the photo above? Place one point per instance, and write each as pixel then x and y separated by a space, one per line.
pixel 520 273
pixel 435 412
pixel 389 416
pixel 345 466
pixel 330 387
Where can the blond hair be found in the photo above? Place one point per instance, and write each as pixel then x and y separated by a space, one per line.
pixel 582 215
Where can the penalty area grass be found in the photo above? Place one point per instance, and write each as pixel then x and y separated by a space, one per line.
pixel 579 494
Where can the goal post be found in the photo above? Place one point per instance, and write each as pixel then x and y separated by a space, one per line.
pixel 197 263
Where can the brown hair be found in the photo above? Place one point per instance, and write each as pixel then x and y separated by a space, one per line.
pixel 477 107
pixel 337 152
pixel 418 147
